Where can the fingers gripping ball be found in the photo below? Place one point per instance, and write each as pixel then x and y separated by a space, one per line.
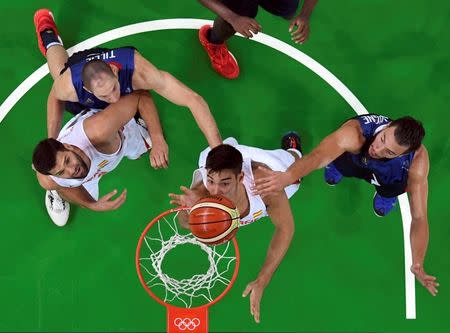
pixel 214 220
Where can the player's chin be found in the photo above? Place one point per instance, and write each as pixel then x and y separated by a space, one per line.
pixel 83 173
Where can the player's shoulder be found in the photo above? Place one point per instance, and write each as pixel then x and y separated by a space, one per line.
pixel 352 126
pixel 422 152
pixel 146 75
pixel 46 182
pixel 63 87
pixel 420 164
pixel 350 135
pixel 139 59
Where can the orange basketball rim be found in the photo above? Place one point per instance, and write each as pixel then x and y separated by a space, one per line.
pixel 180 318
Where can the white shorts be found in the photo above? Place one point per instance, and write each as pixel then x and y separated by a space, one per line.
pixel 92 188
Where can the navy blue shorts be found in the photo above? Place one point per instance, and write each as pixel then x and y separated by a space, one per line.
pixel 347 168
pixel 249 8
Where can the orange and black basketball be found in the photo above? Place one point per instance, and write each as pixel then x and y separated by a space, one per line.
pixel 214 220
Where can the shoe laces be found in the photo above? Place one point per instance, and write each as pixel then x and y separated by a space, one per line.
pixel 57 203
pixel 220 54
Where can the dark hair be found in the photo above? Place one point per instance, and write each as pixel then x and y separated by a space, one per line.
pixel 44 155
pixel 408 132
pixel 92 71
pixel 224 157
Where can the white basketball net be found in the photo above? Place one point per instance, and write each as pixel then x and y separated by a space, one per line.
pixel 199 286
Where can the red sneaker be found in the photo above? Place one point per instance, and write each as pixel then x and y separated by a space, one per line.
pixel 222 60
pixel 43 20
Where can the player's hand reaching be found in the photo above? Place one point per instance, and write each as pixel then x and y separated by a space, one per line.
pixel 159 155
pixel 188 199
pixel 256 290
pixel 246 26
pixel 107 202
pixel 299 29
pixel 426 280
pixel 271 182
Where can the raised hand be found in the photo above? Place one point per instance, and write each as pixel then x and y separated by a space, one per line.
pixel 159 155
pixel 256 290
pixel 426 280
pixel 107 202
pixel 187 199
pixel 270 183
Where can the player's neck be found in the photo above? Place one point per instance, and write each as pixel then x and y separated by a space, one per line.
pixel 83 156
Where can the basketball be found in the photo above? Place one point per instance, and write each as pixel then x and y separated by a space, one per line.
pixel 214 220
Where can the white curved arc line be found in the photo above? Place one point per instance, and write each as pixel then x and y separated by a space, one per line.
pixel 21 90
pixel 335 83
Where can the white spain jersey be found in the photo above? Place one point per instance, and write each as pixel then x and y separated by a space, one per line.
pixel 277 160
pixel 132 146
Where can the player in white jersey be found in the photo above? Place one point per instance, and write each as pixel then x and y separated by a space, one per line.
pixel 91 145
pixel 230 170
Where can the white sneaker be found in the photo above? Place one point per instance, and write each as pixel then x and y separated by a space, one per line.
pixel 57 208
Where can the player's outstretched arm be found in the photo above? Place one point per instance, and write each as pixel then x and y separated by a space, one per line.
pixel 55 111
pixel 419 236
pixel 148 76
pixel 159 154
pixel 279 211
pixel 81 197
pixel 347 138
pixel 103 126
pixel 189 197
pixel 62 91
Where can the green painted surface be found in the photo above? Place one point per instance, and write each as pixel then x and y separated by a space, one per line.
pixel 344 270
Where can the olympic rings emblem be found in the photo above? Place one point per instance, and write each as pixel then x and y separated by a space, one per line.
pixel 186 323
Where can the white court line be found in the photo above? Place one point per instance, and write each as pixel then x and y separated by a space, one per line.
pixel 262 38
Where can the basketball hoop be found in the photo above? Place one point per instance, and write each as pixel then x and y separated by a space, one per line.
pixel 187 299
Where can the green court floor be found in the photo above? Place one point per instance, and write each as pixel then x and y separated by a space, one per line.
pixel 344 271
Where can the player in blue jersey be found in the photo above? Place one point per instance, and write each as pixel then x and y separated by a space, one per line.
pixel 91 79
pixel 94 78
pixel 389 155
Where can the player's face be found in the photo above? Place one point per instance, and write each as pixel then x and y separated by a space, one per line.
pixel 69 165
pixel 224 183
pixel 107 88
pixel 385 146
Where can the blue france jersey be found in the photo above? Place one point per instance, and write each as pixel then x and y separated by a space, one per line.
pixel 122 58
pixel 376 171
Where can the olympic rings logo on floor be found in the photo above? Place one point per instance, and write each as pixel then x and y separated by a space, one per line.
pixel 186 323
